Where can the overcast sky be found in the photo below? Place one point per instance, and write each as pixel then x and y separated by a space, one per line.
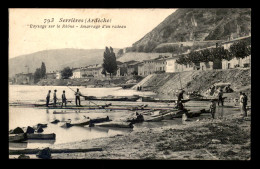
pixel 26 40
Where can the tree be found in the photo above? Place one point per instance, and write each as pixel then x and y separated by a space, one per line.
pixel 37 75
pixel 66 73
pixel 240 49
pixel 109 61
pixel 43 70
pixel 120 52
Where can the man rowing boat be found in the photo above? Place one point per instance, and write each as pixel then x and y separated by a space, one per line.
pixel 55 98
pixel 48 98
pixel 63 99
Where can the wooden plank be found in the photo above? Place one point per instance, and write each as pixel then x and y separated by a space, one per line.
pixel 35 151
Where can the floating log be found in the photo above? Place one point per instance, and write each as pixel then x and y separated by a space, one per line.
pixel 17 137
pixel 115 124
pixel 35 151
pixel 51 136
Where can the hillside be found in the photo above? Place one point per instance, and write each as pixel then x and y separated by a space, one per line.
pixel 166 85
pixel 56 59
pixel 197 24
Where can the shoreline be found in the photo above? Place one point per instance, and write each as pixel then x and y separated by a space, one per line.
pixel 206 139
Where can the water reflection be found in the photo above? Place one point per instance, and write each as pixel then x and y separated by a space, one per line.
pixel 18 145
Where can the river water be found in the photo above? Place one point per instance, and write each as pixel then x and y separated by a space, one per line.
pixel 23 117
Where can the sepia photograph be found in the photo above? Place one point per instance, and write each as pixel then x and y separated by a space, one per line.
pixel 129 83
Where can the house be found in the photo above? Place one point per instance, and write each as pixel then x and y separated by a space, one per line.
pixel 76 73
pixel 133 67
pixel 58 75
pixel 24 78
pixel 235 62
pixel 122 69
pixel 153 65
pixel 94 70
pixel 51 75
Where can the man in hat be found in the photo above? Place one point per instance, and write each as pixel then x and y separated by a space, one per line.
pixel 48 98
pixel 63 99
pixel 78 94
pixel 55 98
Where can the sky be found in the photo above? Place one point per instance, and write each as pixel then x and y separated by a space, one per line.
pixel 28 33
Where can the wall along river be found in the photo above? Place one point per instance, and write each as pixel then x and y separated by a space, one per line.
pixel 23 117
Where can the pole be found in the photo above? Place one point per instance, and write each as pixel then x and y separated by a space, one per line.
pixel 180 79
pixel 75 92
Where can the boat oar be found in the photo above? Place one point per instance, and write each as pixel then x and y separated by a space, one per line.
pixel 82 95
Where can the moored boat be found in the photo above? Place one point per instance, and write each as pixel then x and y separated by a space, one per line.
pixel 17 137
pixel 50 136
pixel 115 124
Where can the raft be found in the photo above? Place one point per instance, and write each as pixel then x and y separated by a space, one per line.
pixel 50 136
pixel 115 124
pixel 112 98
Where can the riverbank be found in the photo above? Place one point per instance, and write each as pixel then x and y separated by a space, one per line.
pixel 205 139
pixel 168 84
pixel 92 82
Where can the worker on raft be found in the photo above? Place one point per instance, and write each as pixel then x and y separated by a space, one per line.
pixel 63 99
pixel 55 98
pixel 48 98
pixel 78 94
pixel 180 97
pixel 212 108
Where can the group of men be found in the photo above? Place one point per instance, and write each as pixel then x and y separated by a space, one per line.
pixel 63 98
pixel 243 103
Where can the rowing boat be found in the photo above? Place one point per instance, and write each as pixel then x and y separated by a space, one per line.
pixel 17 137
pixel 50 136
pixel 151 99
pixel 115 124
pixel 82 122
pixel 166 115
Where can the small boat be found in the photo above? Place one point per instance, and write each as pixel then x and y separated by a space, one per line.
pixel 115 124
pixel 99 119
pixel 166 115
pixel 50 136
pixel 17 137
pixel 151 99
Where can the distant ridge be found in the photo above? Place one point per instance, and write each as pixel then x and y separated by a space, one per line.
pixel 56 59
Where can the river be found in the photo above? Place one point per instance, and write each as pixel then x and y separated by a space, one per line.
pixel 23 117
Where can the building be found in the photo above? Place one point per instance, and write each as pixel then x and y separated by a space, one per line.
pixel 77 73
pixel 133 67
pixel 51 75
pixel 58 75
pixel 24 78
pixel 236 62
pixel 152 66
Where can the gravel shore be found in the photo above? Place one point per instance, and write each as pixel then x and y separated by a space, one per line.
pixel 227 138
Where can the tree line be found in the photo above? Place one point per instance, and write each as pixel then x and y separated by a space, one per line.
pixel 240 49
